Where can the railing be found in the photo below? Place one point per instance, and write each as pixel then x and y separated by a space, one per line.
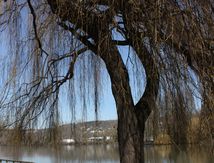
pixel 13 161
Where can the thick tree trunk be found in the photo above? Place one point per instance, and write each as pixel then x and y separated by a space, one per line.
pixel 131 118
pixel 206 130
pixel 131 121
pixel 131 135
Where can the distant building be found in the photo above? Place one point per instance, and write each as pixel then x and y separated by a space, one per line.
pixel 68 141
pixel 98 138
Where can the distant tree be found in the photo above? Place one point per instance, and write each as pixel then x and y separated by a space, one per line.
pixel 171 39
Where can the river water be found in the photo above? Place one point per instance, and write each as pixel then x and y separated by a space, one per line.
pixel 104 154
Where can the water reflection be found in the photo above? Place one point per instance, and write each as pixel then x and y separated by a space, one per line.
pixel 64 154
pixel 170 154
pixel 104 154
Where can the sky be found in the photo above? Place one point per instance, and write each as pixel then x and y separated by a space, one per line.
pixel 107 108
pixel 107 104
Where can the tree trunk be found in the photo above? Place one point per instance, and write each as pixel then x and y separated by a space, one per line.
pixel 131 135
pixel 131 118
pixel 131 121
pixel 206 129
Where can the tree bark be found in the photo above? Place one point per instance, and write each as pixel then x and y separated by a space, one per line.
pixel 131 121
pixel 131 118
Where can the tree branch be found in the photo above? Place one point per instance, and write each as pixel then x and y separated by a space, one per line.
pixel 82 18
pixel 120 43
pixel 83 39
pixel 35 27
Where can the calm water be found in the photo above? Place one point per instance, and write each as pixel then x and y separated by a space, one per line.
pixel 104 154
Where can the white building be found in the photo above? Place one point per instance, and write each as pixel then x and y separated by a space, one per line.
pixel 68 141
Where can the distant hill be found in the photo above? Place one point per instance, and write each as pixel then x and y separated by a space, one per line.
pixel 89 129
pixel 79 132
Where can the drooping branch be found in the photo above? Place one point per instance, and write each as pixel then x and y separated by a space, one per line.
pixel 92 20
pixel 35 27
pixel 97 28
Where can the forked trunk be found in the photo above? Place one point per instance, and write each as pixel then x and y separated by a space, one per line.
pixel 131 117
pixel 131 136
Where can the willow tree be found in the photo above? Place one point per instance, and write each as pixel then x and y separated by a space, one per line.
pixel 172 40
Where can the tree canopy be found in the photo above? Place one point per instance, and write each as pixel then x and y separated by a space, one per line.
pixel 171 41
